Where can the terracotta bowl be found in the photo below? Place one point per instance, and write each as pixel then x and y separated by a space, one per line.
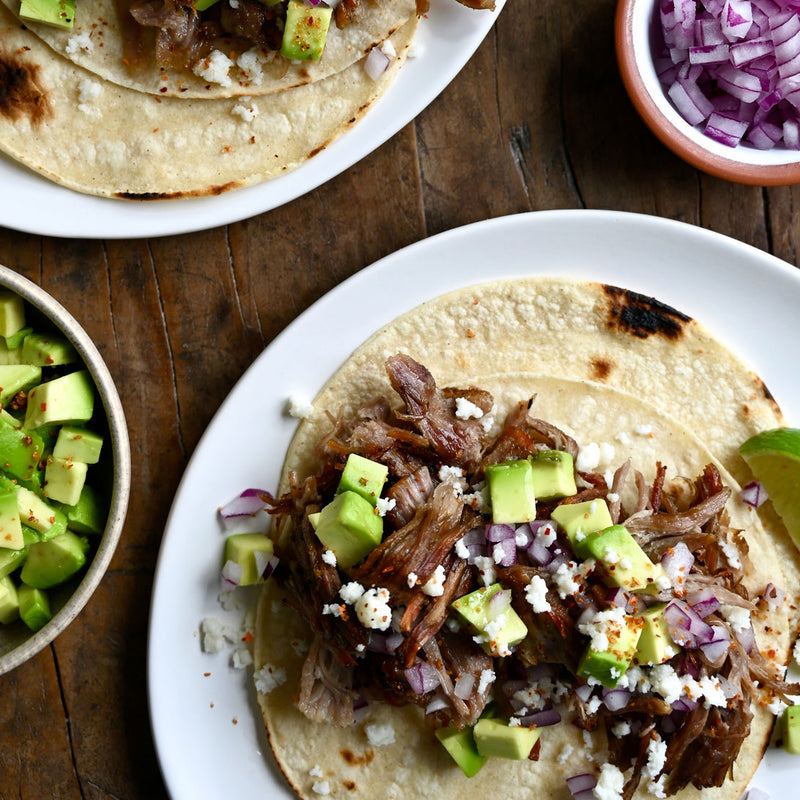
pixel 636 24
pixel 113 474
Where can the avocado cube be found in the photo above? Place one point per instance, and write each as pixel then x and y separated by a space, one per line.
pixel 609 665
pixel 47 521
pixel 65 400
pixel 364 477
pixel 11 560
pixel 511 491
pixel 78 444
pixel 20 451
pixel 242 548
pixel 12 313
pixel 59 13
pixel 14 343
pixel 655 645
pixel 460 744
pixel 17 377
pixel 579 520
pixel 64 479
pixel 492 616
pixel 47 350
pixel 495 738
pixel 34 607
pixel 553 474
pixel 790 729
pixel 624 562
pixel 10 355
pixel 89 514
pixel 10 525
pixel 9 601
pixel 305 30
pixel 53 562
pixel 349 526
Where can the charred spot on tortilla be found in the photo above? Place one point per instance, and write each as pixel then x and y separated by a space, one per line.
pixel 349 785
pixel 351 758
pixel 601 368
pixel 21 94
pixel 641 315
pixel 211 190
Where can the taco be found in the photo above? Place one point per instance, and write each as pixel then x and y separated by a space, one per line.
pixel 228 49
pixel 657 681
pixel 104 139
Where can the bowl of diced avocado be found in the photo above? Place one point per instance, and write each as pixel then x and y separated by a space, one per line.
pixel 64 468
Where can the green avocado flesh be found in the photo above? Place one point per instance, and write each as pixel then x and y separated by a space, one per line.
pixel 350 527
pixel 305 31
pixel 511 491
pixel 59 13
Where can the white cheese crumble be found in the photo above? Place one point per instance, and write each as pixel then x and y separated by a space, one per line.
pixel 298 406
pixel 486 569
pixel 412 579
pixel 601 625
pixel 387 48
pixel 373 610
pixel 383 505
pixel 566 752
pixel 251 62
pixel 214 634
pixel 321 787
pixel 434 586
pixel 612 497
pixel 666 682
pixel 88 92
pixel 329 557
pixel 241 658
pixel 643 430
pixel 611 556
pixel 621 729
pixel 731 553
pixel 656 788
pixel 466 409
pixel 567 576
pixel 80 41
pixel 796 652
pixel 625 563
pixel 610 783
pixel 214 68
pixel 332 609
pixel 656 758
pixel 315 771
pixel 350 592
pixel 536 595
pixel 738 618
pixel 593 704
pixel 462 551
pixel 379 734
pixel 486 679
pixel 448 473
pixel 546 534
pixel 588 458
pixel 623 438
pixel 478 499
pixel 246 112
pixel 269 677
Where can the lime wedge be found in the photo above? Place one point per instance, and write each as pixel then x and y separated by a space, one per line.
pixel 774 458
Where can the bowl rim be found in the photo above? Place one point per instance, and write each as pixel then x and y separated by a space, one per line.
pixel 730 169
pixel 121 459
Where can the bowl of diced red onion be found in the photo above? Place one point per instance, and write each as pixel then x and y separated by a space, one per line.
pixel 718 82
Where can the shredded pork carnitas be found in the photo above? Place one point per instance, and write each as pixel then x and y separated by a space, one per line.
pixel 696 707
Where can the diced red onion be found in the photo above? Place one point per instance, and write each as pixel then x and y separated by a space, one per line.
pixel 464 685
pixel 437 704
pixel 709 54
pixel 541 718
pixel 230 576
pixel 737 17
pixel 584 691
pixel 725 129
pixel 422 677
pixel 498 603
pixel 704 602
pixel 677 562
pixel 504 553
pixel 773 596
pixel 376 63
pixel 475 541
pixel 685 626
pixel 685 703
pixel 754 494
pixel 716 649
pixel 539 552
pixel 581 783
pixel 384 643
pixel 499 533
pixel 616 699
pixel 523 536
pixel 247 504
pixel 746 638
pixel 265 565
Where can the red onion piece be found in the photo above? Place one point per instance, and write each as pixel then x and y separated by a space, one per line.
pixel 717 648
pixel 773 596
pixel 703 602
pixel 677 562
pixel 584 691
pixel 437 704
pixel 541 718
pixel 685 703
pixel 498 603
pixel 581 783
pixel 230 576
pixel 421 677
pixel 464 685
pixel 376 63
pixel 754 494
pixel 384 643
pixel 685 626
pixel 504 553
pixel 500 533
pixel 746 638
pixel 616 699
pixel 247 504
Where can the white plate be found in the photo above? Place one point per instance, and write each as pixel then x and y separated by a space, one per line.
pixel 748 298
pixel 447 37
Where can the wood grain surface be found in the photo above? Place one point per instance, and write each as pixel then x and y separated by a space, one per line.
pixel 538 119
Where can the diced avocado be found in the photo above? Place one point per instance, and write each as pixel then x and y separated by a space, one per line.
pixel 314 519
pixel 511 491
pixel 242 548
pixel 349 526
pixel 492 616
pixel 14 342
pixel 580 519
pixel 460 744
pixel 202 5
pixel 305 30
pixel 34 607
pixel 47 521
pixel 48 350
pixel 11 560
pixel 20 451
pixel 65 400
pixel 655 645
pixel 89 514
pixel 9 601
pixel 364 477
pixel 64 480
pixel 624 562
pixel 12 313
pixel 553 474
pixel 496 738
pixel 610 664
pixel 790 729
pixel 60 13
pixel 10 525
pixel 10 355
pixel 52 562
pixel 16 377
pixel 79 444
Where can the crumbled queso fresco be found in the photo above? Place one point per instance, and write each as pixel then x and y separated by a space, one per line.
pixel 373 609
pixel 214 68
pixel 88 92
pixel 379 735
pixel 466 409
pixel 298 407
pixel 78 42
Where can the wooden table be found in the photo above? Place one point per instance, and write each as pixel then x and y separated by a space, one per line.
pixel 537 120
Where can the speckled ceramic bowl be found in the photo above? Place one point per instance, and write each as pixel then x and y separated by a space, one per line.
pixel 17 642
pixel 636 23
